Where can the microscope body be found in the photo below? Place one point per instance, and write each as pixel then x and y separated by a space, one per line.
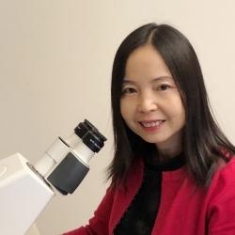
pixel 26 189
pixel 23 195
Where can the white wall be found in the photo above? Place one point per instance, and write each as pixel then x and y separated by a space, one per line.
pixel 55 66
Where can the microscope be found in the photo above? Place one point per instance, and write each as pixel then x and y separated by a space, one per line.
pixel 26 189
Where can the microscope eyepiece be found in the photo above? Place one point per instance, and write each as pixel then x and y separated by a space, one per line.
pixel 90 135
pixel 69 173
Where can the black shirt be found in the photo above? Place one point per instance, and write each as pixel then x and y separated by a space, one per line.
pixel 141 214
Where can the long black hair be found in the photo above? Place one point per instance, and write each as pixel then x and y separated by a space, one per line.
pixel 203 140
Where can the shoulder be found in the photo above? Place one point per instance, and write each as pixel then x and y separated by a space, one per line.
pixel 223 182
pixel 226 168
pixel 221 199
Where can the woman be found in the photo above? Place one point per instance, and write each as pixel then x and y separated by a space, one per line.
pixel 173 169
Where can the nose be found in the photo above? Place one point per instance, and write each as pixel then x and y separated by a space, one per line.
pixel 147 103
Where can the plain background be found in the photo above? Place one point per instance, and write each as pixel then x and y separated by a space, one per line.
pixel 55 67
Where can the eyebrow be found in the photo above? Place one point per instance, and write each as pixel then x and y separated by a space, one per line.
pixel 126 80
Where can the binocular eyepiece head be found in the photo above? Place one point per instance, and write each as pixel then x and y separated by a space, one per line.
pixel 90 135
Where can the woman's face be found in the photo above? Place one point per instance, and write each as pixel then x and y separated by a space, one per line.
pixel 151 104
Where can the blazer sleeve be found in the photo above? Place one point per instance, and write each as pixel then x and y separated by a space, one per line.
pixel 99 223
pixel 221 212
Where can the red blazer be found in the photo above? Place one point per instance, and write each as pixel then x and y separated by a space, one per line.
pixel 185 208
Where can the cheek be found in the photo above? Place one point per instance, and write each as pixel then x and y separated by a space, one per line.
pixel 126 109
pixel 180 113
pixel 177 109
pixel 123 109
pixel 181 119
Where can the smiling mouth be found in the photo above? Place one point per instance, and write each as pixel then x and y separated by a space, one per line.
pixel 151 124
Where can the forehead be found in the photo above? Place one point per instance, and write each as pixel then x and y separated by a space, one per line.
pixel 146 62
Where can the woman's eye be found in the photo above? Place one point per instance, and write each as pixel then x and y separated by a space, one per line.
pixel 128 90
pixel 163 87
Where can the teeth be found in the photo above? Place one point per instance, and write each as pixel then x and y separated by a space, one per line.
pixel 151 124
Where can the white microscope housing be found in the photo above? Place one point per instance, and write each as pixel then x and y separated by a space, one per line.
pixel 26 189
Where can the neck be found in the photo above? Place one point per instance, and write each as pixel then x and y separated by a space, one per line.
pixel 169 151
pixel 166 154
pixel 170 148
